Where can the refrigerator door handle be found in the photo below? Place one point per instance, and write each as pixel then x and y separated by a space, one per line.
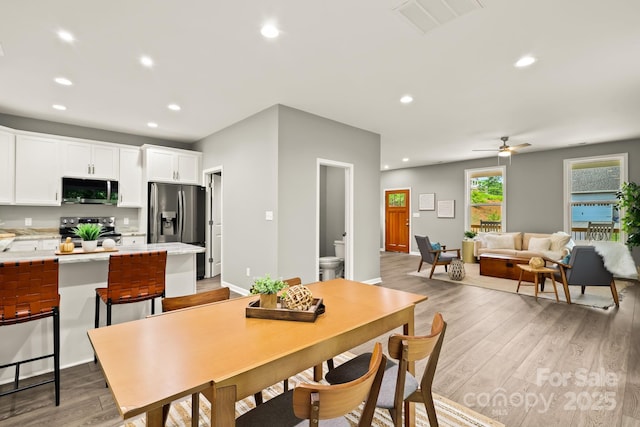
pixel 154 226
pixel 181 214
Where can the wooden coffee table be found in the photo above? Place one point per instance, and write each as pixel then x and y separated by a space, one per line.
pixel 538 273
pixel 504 267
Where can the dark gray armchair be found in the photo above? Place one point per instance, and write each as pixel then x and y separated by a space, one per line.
pixel 585 268
pixel 433 256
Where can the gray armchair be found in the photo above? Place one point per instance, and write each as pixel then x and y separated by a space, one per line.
pixel 433 256
pixel 585 268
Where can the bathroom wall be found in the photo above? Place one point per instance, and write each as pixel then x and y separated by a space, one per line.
pixel 332 208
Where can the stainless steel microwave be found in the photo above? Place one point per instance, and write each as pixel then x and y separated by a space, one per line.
pixel 89 191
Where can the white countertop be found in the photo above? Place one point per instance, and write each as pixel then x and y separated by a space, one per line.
pixel 171 248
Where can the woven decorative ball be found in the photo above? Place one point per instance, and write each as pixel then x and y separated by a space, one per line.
pixel 536 262
pixel 297 298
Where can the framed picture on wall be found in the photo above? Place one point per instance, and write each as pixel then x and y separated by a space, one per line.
pixel 427 202
pixel 446 208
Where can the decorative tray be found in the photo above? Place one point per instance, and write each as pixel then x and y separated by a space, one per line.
pixel 310 315
pixel 79 251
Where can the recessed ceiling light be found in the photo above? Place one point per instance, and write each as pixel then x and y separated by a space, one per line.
pixel 407 99
pixel 146 61
pixel 152 125
pixel 66 36
pixel 406 159
pixel 270 31
pixel 174 107
pixel 63 81
pixel 525 61
pixel 386 166
pixel 59 107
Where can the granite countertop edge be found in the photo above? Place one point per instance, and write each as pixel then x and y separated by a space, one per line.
pixel 171 248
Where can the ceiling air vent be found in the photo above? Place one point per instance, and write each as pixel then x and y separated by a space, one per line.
pixel 425 15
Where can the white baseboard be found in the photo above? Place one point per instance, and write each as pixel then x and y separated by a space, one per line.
pixel 236 289
pixel 372 281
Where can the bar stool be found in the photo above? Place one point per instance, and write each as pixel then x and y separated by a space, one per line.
pixel 29 291
pixel 133 277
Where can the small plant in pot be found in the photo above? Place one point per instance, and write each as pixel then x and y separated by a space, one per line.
pixel 89 234
pixel 469 235
pixel 268 289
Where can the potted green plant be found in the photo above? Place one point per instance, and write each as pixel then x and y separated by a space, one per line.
pixel 469 235
pixel 268 289
pixel 89 234
pixel 629 201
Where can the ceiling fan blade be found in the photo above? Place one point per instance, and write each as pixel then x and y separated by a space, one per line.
pixel 519 146
pixel 485 149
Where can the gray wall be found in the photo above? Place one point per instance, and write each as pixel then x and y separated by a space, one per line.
pixel 303 138
pixel 62 129
pixel 534 190
pixel 269 163
pixel 248 153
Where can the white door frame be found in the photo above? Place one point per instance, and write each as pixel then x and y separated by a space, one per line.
pixel 348 215
pixel 209 246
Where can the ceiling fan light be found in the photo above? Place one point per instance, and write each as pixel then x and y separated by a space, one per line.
pixel 504 153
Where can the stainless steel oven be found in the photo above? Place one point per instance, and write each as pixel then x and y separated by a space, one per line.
pixel 68 223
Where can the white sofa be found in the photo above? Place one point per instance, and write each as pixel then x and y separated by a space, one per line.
pixel 523 245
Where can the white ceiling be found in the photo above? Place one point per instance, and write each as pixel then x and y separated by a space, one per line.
pixel 347 60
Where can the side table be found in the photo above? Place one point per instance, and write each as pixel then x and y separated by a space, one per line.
pixel 538 273
pixel 467 251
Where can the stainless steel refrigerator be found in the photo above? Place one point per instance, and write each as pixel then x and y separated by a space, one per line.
pixel 177 214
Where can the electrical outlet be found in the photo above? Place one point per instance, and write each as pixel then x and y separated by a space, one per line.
pixel 125 221
pixel 248 272
pixel 27 222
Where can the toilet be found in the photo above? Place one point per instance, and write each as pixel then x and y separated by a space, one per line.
pixel 332 266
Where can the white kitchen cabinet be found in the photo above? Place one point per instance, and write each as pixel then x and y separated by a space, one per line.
pixel 133 240
pixel 130 180
pixel 37 173
pixel 87 160
pixel 172 165
pixel 34 245
pixel 7 167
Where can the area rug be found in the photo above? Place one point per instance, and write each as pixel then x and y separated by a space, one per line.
pixel 450 414
pixel 594 296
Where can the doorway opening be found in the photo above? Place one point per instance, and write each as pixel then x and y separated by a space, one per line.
pixel 334 217
pixel 213 180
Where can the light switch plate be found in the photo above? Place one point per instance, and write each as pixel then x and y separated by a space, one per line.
pixel 126 221
pixel 416 214
pixel 268 215
pixel 27 222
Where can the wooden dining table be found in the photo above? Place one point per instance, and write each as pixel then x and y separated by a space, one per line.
pixel 218 351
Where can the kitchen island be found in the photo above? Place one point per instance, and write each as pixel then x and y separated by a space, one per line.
pixel 79 276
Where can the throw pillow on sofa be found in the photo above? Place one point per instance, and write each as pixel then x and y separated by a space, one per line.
pixel 559 240
pixel 499 241
pixel 539 244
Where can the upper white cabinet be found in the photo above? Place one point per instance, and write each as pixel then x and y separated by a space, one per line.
pixel 86 160
pixel 7 167
pixel 130 181
pixel 172 165
pixel 37 171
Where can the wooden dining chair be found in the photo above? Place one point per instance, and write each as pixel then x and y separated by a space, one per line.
pixel 399 387
pixel 29 291
pixel 317 402
pixel 185 301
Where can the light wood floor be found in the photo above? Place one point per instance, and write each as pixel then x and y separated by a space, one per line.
pixel 523 362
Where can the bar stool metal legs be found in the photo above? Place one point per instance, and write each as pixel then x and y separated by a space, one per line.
pixel 28 292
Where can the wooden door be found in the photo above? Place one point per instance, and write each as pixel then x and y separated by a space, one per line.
pixel 396 220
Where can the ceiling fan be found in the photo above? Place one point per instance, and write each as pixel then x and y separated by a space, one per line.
pixel 505 150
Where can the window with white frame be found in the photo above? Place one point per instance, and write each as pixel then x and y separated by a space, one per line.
pixel 590 186
pixel 485 196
